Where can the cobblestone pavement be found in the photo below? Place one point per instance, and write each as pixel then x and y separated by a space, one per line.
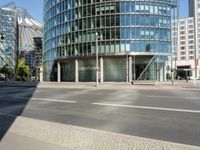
pixel 78 138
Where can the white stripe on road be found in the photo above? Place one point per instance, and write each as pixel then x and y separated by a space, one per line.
pixel 8 115
pixel 52 100
pixel 147 107
pixel 170 97
pixel 80 93
pixel 47 99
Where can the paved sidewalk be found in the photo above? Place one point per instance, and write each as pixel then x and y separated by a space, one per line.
pixel 189 84
pixel 17 142
pixel 182 85
pixel 78 138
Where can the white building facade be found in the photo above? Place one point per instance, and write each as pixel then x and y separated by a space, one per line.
pixel 186 47
pixel 188 52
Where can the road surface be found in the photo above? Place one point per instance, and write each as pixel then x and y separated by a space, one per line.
pixel 168 115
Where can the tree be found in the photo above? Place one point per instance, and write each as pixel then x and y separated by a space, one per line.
pixel 6 71
pixel 23 71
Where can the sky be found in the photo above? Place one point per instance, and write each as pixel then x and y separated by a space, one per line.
pixel 34 7
pixel 183 10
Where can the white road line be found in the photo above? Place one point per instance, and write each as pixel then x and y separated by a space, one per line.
pixel 52 100
pixel 47 99
pixel 147 107
pixel 84 93
pixel 97 93
pixel 8 115
pixel 170 97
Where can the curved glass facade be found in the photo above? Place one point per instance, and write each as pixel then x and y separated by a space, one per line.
pixel 124 28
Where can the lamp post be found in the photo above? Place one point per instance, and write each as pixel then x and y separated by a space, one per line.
pixel 134 75
pixel 127 67
pixel 97 61
pixel 13 75
pixel 195 43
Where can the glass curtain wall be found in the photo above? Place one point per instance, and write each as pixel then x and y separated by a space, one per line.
pixel 8 45
pixel 123 26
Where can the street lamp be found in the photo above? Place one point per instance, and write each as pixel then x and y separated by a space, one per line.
pixel 13 73
pixel 195 43
pixel 127 67
pixel 1 36
pixel 97 61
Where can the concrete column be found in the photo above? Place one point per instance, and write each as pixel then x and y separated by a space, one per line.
pixel 127 68
pixel 101 70
pixel 157 70
pixel 162 73
pixel 76 71
pixel 134 70
pixel 58 72
pixel 130 72
pixel 41 73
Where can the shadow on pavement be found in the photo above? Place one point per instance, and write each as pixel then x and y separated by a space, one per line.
pixel 13 100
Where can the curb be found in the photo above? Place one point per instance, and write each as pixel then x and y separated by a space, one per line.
pixel 16 85
pixel 165 86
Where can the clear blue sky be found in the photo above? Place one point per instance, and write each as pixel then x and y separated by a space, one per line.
pixel 183 8
pixel 34 7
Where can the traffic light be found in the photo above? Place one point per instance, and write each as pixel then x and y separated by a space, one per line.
pixel 1 36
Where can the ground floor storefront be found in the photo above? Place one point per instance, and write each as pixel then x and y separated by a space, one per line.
pixel 186 70
pixel 110 69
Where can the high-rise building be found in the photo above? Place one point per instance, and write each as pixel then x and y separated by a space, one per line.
pixel 38 56
pixel 191 7
pixel 28 29
pixel 186 47
pixel 192 51
pixel 8 41
pixel 17 29
pixel 133 39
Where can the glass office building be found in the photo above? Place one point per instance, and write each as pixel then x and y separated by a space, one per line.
pixel 133 39
pixel 8 42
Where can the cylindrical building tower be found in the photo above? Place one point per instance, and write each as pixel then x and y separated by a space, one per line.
pixel 134 39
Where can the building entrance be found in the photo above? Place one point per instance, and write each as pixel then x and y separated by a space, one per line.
pixel 139 68
pixel 143 68
pixel 184 72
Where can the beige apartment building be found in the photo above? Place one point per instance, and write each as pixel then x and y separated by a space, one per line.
pixel 188 47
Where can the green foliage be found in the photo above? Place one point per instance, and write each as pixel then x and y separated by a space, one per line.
pixel 6 70
pixel 23 71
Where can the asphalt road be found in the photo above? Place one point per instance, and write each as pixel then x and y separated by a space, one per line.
pixel 172 115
